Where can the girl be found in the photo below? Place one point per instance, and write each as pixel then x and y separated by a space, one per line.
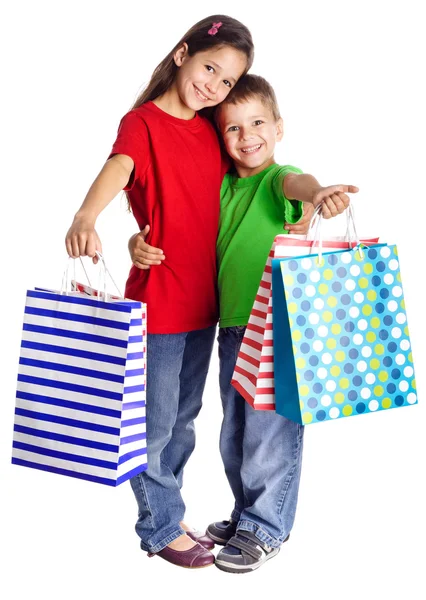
pixel 167 158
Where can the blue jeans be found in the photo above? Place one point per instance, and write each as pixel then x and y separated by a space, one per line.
pixel 261 452
pixel 177 366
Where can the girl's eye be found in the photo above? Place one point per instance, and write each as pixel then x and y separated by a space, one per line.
pixel 209 69
pixel 228 83
pixel 258 122
pixel 233 128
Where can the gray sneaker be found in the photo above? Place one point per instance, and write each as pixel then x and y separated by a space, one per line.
pixel 244 553
pixel 222 531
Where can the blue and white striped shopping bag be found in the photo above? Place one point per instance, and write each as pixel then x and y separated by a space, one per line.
pixel 80 402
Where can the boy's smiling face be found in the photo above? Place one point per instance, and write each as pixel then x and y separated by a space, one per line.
pixel 250 132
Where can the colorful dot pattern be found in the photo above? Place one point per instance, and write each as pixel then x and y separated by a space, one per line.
pixel 349 330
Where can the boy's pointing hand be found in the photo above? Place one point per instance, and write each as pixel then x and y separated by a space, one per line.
pixel 333 199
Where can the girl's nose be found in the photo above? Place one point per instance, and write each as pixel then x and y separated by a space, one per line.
pixel 212 86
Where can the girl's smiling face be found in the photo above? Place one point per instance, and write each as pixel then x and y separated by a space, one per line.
pixel 250 132
pixel 206 78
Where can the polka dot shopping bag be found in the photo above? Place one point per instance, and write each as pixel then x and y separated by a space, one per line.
pixel 253 376
pixel 341 339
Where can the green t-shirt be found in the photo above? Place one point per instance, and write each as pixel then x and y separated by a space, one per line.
pixel 253 211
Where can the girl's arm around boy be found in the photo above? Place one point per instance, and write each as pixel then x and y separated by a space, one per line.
pixel 303 187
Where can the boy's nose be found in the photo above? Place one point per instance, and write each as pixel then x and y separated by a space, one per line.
pixel 245 134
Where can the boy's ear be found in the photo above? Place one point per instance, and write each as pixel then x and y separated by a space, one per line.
pixel 280 129
pixel 180 54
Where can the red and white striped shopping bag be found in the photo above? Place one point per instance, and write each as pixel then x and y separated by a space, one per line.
pixel 254 371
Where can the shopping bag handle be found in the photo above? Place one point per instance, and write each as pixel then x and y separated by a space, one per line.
pixel 351 232
pixel 103 272
pixel 316 221
pixel 65 277
pixel 107 272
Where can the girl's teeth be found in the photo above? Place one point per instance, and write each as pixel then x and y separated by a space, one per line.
pixel 200 94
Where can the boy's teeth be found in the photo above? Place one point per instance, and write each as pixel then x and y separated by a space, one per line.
pixel 253 149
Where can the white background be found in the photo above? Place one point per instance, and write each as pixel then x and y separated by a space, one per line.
pixel 349 78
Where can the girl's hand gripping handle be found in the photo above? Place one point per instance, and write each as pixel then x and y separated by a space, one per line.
pixel 82 239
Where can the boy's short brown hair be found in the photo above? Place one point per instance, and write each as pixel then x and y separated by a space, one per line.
pixel 252 86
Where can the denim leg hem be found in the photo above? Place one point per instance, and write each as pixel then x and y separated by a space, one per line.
pixel 260 533
pixel 154 548
pixel 235 516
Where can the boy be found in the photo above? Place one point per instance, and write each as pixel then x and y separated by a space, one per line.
pixel 261 450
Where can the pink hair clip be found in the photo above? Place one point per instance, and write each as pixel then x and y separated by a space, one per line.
pixel 214 29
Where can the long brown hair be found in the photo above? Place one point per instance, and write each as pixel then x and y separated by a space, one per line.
pixel 231 33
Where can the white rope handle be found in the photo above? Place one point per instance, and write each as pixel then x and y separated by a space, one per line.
pixel 314 224
pixel 103 272
pixel 66 284
pixel 351 235
pixel 107 272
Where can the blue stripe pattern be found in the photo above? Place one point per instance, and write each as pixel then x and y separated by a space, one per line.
pixel 136 421
pixel 68 422
pixel 135 355
pixel 137 404
pixel 81 389
pixel 136 323
pixel 77 335
pixel 60 373
pixel 88 408
pixel 134 372
pixel 84 476
pixel 85 460
pixel 67 439
pixel 130 455
pixel 132 438
pixel 125 307
pixel 41 364
pixel 115 360
pixel 134 388
pixel 64 316
pixel 131 474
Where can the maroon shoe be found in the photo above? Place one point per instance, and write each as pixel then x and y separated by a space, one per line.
pixel 201 538
pixel 194 558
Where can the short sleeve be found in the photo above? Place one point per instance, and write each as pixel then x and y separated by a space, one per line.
pixel 293 209
pixel 133 140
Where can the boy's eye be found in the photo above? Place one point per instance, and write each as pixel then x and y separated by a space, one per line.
pixel 258 122
pixel 209 69
pixel 233 128
pixel 228 83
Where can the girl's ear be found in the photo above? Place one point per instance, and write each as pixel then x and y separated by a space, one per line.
pixel 180 54
pixel 280 129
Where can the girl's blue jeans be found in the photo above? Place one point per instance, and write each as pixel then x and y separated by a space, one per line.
pixel 261 452
pixel 177 366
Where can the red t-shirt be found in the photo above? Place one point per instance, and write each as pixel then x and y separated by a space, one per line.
pixel 175 189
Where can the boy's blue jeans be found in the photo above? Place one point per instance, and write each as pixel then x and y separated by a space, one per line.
pixel 261 452
pixel 177 366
